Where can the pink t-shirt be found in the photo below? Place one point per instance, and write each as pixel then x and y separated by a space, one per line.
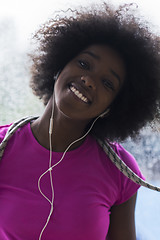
pixel 86 185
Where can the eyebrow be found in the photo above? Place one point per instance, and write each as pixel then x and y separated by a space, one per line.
pixel 92 54
pixel 116 75
pixel 98 58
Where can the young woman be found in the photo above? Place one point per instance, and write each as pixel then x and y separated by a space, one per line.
pixel 97 72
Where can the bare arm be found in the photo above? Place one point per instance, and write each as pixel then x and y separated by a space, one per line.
pixel 122 221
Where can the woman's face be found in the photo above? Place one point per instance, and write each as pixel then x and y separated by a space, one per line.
pixel 89 83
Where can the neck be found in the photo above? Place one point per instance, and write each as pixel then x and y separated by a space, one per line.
pixel 65 131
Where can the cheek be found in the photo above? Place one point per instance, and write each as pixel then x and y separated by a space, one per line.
pixel 64 102
pixel 106 97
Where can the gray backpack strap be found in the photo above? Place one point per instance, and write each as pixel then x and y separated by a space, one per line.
pixel 123 167
pixel 12 129
pixel 105 145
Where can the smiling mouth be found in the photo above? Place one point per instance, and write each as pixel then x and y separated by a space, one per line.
pixel 79 94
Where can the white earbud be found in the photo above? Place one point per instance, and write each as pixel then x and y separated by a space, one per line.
pixel 55 77
pixel 104 113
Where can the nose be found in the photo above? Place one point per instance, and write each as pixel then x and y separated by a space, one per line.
pixel 88 82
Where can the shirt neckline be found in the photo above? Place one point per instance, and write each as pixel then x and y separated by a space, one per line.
pixel 39 147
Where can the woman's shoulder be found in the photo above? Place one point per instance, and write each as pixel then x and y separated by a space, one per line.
pixel 125 156
pixel 3 131
pixel 128 187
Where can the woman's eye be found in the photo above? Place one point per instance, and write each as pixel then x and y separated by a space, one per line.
pixel 108 84
pixel 83 64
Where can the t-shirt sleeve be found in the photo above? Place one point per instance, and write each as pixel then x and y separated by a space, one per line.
pixel 127 187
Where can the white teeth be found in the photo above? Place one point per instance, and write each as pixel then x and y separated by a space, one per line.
pixel 78 94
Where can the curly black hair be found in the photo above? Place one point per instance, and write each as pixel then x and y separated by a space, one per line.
pixel 64 37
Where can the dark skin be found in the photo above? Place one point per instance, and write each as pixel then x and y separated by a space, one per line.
pixel 98 73
pixel 122 221
pixel 85 88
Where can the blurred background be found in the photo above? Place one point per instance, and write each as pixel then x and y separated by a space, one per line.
pixel 19 19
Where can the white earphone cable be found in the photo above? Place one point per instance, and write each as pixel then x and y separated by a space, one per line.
pixel 50 172
pixel 51 167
